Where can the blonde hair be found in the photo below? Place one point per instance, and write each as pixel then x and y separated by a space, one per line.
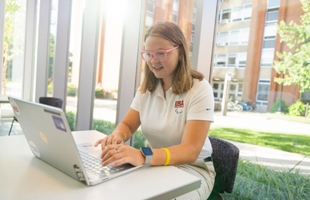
pixel 184 74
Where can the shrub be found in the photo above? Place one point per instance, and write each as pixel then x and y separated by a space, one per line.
pixel 71 118
pixel 296 108
pixel 99 93
pixel 275 106
pixel 72 90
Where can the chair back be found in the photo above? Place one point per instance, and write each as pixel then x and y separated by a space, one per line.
pixel 51 101
pixel 225 160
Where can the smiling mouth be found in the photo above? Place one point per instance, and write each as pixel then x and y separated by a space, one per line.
pixel 157 68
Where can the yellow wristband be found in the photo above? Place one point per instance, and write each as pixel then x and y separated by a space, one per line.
pixel 123 133
pixel 168 156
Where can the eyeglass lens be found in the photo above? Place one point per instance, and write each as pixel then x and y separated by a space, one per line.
pixel 160 55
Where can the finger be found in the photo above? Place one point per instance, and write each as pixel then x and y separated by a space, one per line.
pixel 106 150
pixel 103 143
pixel 109 140
pixel 117 140
pixel 98 142
pixel 113 158
pixel 108 155
pixel 120 161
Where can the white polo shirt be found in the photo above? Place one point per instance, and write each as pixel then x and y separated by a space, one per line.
pixel 163 120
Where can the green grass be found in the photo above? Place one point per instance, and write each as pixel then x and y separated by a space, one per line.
pixel 254 181
pixel 287 142
pixel 301 119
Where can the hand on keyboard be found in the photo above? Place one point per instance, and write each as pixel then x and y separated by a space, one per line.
pixel 113 139
pixel 124 154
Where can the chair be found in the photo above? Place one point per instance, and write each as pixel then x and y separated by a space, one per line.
pixel 51 101
pixel 225 160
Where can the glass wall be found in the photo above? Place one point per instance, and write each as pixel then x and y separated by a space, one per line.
pixel 14 48
pixel 182 13
pixel 108 65
pixel 246 47
pixel 74 61
pixel 53 28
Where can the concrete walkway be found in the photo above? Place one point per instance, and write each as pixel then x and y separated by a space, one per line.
pixel 275 159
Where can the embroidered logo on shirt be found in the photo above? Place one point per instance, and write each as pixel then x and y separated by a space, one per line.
pixel 208 109
pixel 177 111
pixel 179 104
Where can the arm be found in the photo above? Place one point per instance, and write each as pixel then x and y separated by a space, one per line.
pixel 195 134
pixel 127 126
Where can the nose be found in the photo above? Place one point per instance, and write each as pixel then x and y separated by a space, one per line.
pixel 153 60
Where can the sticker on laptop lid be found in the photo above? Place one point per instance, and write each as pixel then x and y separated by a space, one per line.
pixel 15 107
pixel 59 123
pixel 34 149
pixel 43 137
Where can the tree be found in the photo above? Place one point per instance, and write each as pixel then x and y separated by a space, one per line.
pixel 10 9
pixel 295 65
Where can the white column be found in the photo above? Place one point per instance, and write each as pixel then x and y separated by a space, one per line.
pixel 61 59
pixel 42 59
pixel 29 48
pixel 88 65
pixel 205 32
pixel 130 58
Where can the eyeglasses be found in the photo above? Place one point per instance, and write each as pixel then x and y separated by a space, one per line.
pixel 160 55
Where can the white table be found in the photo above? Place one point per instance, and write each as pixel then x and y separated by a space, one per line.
pixel 23 176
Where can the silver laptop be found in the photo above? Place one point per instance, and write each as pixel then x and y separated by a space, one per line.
pixel 50 139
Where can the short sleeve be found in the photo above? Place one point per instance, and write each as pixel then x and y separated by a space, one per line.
pixel 136 102
pixel 202 103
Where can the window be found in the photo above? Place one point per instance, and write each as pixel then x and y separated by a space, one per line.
pixel 234 38
pixel 242 59
pixel 235 90
pixel 237 14
pixel 220 60
pixel 272 15
pixel 267 57
pixel 270 31
pixel 148 21
pixel 175 11
pixel 226 14
pixel 150 6
pixel 245 36
pixel 273 3
pixel 247 12
pixel 263 90
pixel 223 38
pixel 230 60
pixel 306 95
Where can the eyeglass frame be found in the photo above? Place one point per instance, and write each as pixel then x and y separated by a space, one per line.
pixel 153 54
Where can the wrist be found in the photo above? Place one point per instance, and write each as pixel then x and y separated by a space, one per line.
pixel 120 133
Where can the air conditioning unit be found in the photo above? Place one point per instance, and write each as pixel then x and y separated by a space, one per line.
pixel 225 21
pixel 221 44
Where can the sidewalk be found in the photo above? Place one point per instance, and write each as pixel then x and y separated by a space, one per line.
pixel 275 159
pixel 248 120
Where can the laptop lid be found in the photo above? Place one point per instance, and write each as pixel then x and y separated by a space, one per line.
pixel 49 136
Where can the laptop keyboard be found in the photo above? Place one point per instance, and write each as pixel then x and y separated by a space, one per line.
pixel 93 165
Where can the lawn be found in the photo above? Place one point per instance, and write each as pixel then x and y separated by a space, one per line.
pixel 254 181
pixel 287 142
